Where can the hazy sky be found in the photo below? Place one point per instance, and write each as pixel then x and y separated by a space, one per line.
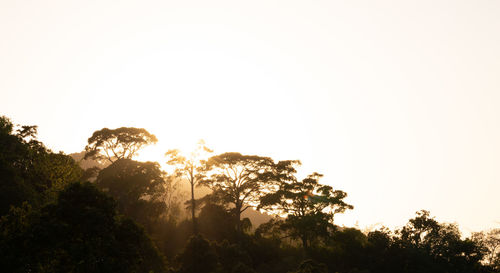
pixel 396 102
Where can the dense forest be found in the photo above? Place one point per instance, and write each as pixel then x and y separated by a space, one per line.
pixel 102 211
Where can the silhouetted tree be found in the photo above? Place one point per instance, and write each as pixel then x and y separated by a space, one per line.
pixel 191 169
pixel 238 180
pixel 80 232
pixel 490 241
pixel 344 249
pixel 310 266
pixel 233 258
pixel 120 143
pixel 29 171
pixel 308 206
pixel 198 256
pixel 378 249
pixel 430 246
pixel 215 223
pixel 49 223
pixel 138 188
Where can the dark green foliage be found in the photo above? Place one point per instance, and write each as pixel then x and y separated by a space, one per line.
pixel 29 171
pixel 241 268
pixel 310 266
pixel 308 206
pixel 198 256
pixel 215 223
pixel 138 188
pixel 53 172
pixel 78 233
pixel 233 258
pixel 378 250
pixel 424 245
pixel 171 237
pixel 343 251
pixel 268 255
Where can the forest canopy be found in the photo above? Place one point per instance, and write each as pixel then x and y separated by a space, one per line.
pixel 133 216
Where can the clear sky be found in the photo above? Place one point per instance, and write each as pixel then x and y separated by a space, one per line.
pixel 396 102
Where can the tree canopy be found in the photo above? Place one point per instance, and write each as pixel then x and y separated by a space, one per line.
pixel 28 170
pixel 121 143
pixel 309 207
pixel 121 222
pixel 237 180
pixel 138 188
pixel 80 232
pixel 190 168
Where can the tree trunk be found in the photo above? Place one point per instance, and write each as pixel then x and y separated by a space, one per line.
pixel 193 209
pixel 304 242
pixel 237 213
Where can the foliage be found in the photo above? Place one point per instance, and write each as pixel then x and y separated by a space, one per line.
pixel 79 233
pixel 237 180
pixel 48 223
pixel 121 143
pixel 490 241
pixel 191 169
pixel 138 188
pixel 308 206
pixel 429 246
pixel 198 256
pixel 215 223
pixel 29 171
pixel 310 266
pixel 233 258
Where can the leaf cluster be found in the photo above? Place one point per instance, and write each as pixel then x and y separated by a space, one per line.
pixel 121 143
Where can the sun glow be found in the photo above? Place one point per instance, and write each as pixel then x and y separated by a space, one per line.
pixel 385 110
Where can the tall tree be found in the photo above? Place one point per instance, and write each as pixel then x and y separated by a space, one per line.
pixel 121 143
pixel 191 168
pixel 238 181
pixel 309 207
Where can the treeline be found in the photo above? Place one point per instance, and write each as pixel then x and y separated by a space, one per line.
pixel 121 215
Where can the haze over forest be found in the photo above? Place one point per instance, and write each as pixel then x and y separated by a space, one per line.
pixel 394 103
pixel 102 211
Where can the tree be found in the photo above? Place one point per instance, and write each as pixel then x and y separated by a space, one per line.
pixel 191 169
pixel 198 256
pixel 80 232
pixel 310 266
pixel 436 247
pixel 238 180
pixel 490 240
pixel 377 250
pixel 309 207
pixel 216 223
pixel 121 143
pixel 233 258
pixel 138 188
pixel 28 170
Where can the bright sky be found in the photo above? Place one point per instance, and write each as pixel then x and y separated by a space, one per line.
pixel 396 102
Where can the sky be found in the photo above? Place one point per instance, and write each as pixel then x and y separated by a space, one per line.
pixel 395 102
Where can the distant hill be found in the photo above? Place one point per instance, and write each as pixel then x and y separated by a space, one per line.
pixel 87 163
